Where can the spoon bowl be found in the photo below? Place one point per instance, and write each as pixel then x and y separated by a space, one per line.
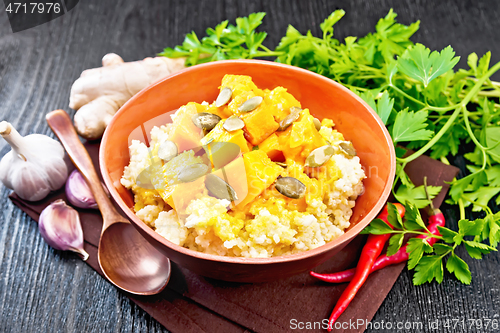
pixel 134 270
pixel 126 258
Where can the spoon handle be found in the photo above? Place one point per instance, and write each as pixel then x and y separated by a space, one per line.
pixel 61 125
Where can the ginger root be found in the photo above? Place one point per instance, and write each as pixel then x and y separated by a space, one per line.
pixel 99 92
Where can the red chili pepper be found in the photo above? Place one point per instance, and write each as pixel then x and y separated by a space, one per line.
pixel 435 220
pixel 371 250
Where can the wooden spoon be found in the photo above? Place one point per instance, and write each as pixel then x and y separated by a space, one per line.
pixel 126 258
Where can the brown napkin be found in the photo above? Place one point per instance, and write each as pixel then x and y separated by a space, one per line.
pixel 192 303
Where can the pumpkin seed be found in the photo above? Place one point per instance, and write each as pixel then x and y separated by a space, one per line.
pixel 207 141
pixel 317 123
pixel 251 104
pixel 219 188
pixel 233 123
pixel 283 165
pixel 224 97
pixel 192 172
pixel 205 120
pixel 290 187
pixel 288 120
pixel 347 148
pixel 319 156
pixel 167 150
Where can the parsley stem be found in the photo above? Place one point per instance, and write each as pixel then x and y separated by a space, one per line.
pixel 435 139
pixel 471 134
pixel 489 93
pixel 462 208
pixel 406 95
pixel 485 207
pixel 454 116
pixel 259 54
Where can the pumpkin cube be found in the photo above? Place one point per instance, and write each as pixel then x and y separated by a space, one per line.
pixel 271 147
pixel 280 102
pixel 184 133
pixel 259 124
pixel 261 172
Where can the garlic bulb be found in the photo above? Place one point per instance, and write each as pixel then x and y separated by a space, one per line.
pixel 78 192
pixel 60 226
pixel 35 165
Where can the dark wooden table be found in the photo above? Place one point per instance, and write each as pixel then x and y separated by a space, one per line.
pixel 43 290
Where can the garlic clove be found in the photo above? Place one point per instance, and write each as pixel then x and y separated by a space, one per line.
pixel 78 192
pixel 60 226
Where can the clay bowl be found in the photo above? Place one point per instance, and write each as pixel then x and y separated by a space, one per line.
pixel 324 97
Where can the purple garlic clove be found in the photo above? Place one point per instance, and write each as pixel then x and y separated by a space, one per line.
pixel 78 192
pixel 59 225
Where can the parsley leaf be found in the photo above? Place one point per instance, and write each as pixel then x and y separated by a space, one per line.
pixel 442 249
pixel 410 126
pixel 413 219
pixel 428 268
pixel 395 243
pixel 392 37
pixel 416 248
pixel 377 227
pixel 420 64
pixel 459 267
pixel 416 195
pixel 493 140
pixel 393 216
pixel 470 228
pixel 329 22
pixel 225 41
pixel 384 107
pixel 447 234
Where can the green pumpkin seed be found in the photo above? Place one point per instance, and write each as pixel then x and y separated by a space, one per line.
pixel 192 172
pixel 290 187
pixel 167 150
pixel 233 123
pixel 205 120
pixel 317 123
pixel 224 97
pixel 288 120
pixel 219 188
pixel 283 165
pixel 319 156
pixel 347 148
pixel 251 104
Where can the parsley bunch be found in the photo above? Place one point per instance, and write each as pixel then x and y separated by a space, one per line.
pixel 223 42
pixel 427 260
pixel 427 107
